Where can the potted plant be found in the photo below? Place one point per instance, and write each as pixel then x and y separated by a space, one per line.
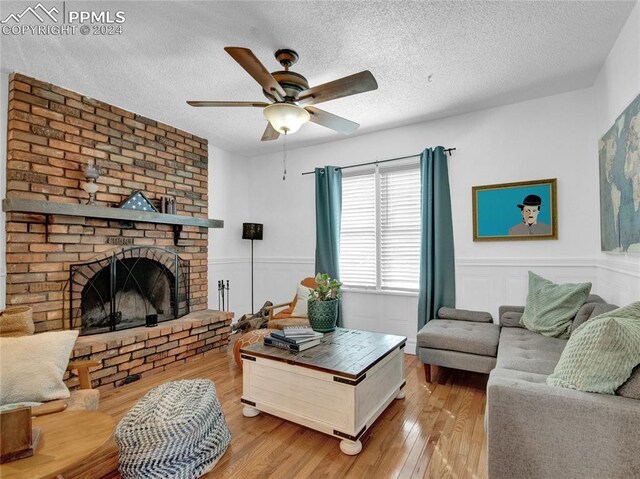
pixel 323 303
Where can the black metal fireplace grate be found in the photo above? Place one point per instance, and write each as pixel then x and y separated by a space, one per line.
pixel 133 287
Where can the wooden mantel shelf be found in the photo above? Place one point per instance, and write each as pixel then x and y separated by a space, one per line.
pixel 73 209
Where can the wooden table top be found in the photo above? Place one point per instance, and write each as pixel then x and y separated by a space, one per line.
pixel 67 438
pixel 345 352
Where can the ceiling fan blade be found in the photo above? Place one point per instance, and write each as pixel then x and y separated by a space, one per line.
pixel 259 104
pixel 256 69
pixel 351 85
pixel 270 133
pixel 329 120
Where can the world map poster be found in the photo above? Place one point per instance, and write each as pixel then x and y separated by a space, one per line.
pixel 619 151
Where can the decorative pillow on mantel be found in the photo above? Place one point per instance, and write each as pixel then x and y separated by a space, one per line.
pixel 551 307
pixel 601 354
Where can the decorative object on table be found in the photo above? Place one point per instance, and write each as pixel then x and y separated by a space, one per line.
pixel 17 439
pixel 168 205
pixel 249 322
pixel 252 231
pixel 16 321
pixel 323 303
pixel 526 210
pixel 139 202
pixel 619 151
pixel 289 346
pixel 252 337
pixel 223 293
pixel 91 173
pixel 176 430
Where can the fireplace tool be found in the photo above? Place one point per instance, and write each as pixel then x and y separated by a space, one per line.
pixel 222 292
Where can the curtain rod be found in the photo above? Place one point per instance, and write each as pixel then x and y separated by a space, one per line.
pixel 446 150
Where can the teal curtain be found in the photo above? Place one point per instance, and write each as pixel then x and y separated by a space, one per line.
pixel 328 212
pixel 437 260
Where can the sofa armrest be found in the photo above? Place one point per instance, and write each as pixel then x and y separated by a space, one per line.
pixel 509 316
pixel 541 431
pixel 465 315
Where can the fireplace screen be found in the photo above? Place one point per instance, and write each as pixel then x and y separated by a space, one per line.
pixel 133 287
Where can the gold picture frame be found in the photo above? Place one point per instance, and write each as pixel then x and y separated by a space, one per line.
pixel 496 216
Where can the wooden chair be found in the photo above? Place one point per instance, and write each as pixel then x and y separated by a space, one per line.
pixel 285 317
pixel 83 399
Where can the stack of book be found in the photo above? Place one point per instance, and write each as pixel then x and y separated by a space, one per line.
pixel 294 338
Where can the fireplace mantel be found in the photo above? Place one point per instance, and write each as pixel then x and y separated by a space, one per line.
pixel 88 211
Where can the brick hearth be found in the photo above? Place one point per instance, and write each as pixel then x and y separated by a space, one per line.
pixel 131 353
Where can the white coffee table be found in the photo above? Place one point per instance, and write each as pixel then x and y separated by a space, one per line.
pixel 339 387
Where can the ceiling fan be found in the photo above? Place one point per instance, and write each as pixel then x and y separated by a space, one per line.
pixel 291 96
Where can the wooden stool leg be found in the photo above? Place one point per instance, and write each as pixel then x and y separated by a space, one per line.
pixel 427 372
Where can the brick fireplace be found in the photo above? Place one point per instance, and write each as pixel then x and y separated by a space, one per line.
pixel 53 133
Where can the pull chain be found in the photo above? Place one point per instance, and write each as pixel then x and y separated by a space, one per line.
pixel 284 157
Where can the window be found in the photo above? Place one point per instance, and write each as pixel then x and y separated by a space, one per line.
pixel 380 230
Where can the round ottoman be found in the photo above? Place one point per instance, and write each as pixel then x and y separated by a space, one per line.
pixel 247 339
pixel 176 430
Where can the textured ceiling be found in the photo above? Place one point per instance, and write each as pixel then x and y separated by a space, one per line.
pixel 478 53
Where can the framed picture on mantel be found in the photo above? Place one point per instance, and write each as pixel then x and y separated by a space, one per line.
pixel 526 210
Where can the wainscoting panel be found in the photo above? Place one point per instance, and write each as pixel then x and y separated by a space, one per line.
pixel 619 279
pixel 482 283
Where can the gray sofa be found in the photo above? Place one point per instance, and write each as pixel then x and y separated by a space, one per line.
pixel 537 431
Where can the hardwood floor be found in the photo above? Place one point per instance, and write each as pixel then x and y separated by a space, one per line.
pixel 437 431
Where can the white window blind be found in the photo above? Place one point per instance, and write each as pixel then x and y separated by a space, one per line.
pixel 358 231
pixel 380 230
pixel 400 229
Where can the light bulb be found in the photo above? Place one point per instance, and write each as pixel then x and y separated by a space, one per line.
pixel 286 117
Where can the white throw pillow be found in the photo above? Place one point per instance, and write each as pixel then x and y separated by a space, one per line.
pixel 32 367
pixel 300 309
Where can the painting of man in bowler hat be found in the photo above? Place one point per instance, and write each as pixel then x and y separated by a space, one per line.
pixel 530 209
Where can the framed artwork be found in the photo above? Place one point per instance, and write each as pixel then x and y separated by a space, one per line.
pixel 526 210
pixel 619 152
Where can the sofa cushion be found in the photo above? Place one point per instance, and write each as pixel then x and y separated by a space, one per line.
pixel 590 310
pixel 602 353
pixel 631 388
pixel 526 351
pixel 465 315
pixel 551 307
pixel 511 319
pixel 463 336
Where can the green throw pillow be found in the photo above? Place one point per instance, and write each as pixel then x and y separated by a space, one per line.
pixel 601 353
pixel 551 307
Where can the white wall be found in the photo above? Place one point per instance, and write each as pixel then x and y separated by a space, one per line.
pixel 617 84
pixel 553 137
pixel 544 138
pixel 228 254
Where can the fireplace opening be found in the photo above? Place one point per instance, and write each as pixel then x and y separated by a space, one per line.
pixel 134 287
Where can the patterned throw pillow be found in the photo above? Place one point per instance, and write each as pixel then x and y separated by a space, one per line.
pixel 601 354
pixel 551 307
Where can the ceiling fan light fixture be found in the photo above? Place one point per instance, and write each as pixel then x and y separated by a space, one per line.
pixel 286 118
